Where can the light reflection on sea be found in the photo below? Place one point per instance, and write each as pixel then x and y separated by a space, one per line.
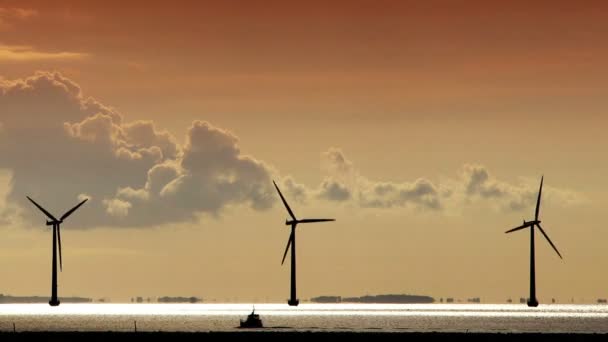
pixel 307 317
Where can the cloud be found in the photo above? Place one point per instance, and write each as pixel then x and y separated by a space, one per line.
pixel 12 53
pixel 60 145
pixel 479 184
pixel 344 183
pixel 117 208
pixel 294 191
pixel 421 193
pixel 335 163
pixel 334 191
pixel 476 177
pixel 6 209
pixel 210 174
pixel 144 133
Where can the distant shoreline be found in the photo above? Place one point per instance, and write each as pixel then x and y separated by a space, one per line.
pixel 376 299
pixel 8 299
pixel 294 336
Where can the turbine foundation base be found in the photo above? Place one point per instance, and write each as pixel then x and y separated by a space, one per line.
pixel 532 303
pixel 293 302
pixel 54 302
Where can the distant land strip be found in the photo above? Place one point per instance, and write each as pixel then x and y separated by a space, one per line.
pixel 262 335
pixel 39 299
pixel 379 299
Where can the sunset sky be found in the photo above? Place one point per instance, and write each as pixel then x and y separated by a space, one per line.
pixel 423 127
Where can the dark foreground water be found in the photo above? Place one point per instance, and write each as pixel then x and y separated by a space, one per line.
pixel 338 318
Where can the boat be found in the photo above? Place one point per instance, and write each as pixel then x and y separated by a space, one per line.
pixel 253 321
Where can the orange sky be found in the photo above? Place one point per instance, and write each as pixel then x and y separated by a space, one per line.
pixel 311 65
pixel 395 57
pixel 406 90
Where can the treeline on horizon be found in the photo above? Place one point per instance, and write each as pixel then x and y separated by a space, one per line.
pixel 380 299
pixel 179 299
pixel 167 299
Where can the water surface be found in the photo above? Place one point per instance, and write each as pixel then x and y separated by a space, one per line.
pixel 307 317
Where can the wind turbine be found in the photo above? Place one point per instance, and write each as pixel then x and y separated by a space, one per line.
pixel 56 238
pixel 293 301
pixel 532 301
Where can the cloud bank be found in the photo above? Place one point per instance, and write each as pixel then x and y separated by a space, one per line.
pixel 60 146
pixel 344 183
pixel 473 183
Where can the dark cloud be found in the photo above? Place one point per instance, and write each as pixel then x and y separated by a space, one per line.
pixel 420 193
pixel 295 191
pixel 334 191
pixel 478 182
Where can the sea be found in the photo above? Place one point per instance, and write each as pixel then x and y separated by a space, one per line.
pixel 489 318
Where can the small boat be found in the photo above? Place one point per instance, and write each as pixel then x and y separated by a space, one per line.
pixel 253 321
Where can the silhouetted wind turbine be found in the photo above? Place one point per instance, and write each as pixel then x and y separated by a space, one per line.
pixel 293 301
pixel 56 239
pixel 532 301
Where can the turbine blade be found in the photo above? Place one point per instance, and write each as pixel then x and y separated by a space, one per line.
pixel 315 220
pixel 72 210
pixel 287 248
pixel 42 209
pixel 525 225
pixel 540 191
pixel 285 203
pixel 59 240
pixel 551 243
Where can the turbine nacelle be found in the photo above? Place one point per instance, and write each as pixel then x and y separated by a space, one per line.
pixel 52 223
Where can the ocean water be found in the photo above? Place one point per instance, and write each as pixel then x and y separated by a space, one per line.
pixel 307 317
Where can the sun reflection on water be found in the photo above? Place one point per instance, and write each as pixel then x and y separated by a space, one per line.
pixel 387 317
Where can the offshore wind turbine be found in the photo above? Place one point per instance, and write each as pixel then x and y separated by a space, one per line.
pixel 532 301
pixel 56 239
pixel 293 301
